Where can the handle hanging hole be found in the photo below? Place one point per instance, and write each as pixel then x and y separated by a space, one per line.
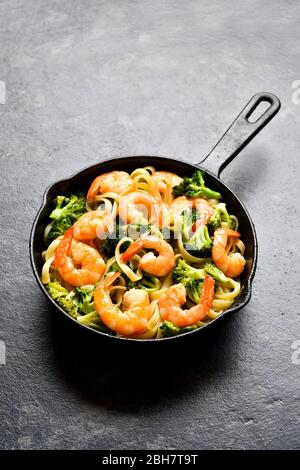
pixel 259 110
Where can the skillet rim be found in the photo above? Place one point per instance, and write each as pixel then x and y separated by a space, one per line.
pixel 247 288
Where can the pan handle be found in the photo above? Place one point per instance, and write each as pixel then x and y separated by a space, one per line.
pixel 240 133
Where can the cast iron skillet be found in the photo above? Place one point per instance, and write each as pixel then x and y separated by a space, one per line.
pixel 239 134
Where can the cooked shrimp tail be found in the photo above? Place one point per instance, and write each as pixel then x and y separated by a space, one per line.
pixel 132 250
pixel 110 279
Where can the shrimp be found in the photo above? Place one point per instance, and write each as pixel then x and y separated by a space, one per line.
pixel 115 181
pixel 92 224
pixel 159 265
pixel 175 296
pixel 231 264
pixel 182 203
pixel 137 206
pixel 203 208
pixel 140 206
pixel 136 306
pixel 160 177
pixel 78 264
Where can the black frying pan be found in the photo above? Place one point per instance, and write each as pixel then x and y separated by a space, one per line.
pixel 239 134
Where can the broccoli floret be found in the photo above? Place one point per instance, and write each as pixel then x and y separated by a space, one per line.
pixel 187 224
pixel 85 297
pixel 169 329
pixel 86 307
pixel 133 230
pixel 182 188
pixel 216 273
pixel 109 244
pixel 194 186
pixel 93 321
pixel 195 215
pixel 66 212
pixel 184 272
pixel 200 242
pixel 114 267
pixel 148 283
pixel 69 304
pixel 58 228
pixel 191 278
pixel 60 202
pixel 56 290
pixel 220 215
pixel 78 304
pixel 73 206
pixel 193 290
pixel 67 300
pixel 189 217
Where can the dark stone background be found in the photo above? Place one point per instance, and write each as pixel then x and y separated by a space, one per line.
pixel 90 79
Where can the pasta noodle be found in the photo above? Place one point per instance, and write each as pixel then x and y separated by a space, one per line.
pixel 144 267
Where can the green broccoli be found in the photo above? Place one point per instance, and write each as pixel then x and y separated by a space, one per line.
pixel 183 271
pixel 69 304
pixel 220 215
pixel 187 223
pixel 191 278
pixel 58 228
pixel 133 230
pixel 194 186
pixel 67 300
pixel 78 304
pixel 148 283
pixel 56 290
pixel 85 297
pixel 66 212
pixel 169 329
pixel 194 289
pixel 189 217
pixel 109 244
pixel 200 243
pixel 114 268
pixel 93 321
pixel 86 308
pixel 216 273
pixel 73 206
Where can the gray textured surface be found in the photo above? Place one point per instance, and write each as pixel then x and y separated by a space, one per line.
pixel 88 79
